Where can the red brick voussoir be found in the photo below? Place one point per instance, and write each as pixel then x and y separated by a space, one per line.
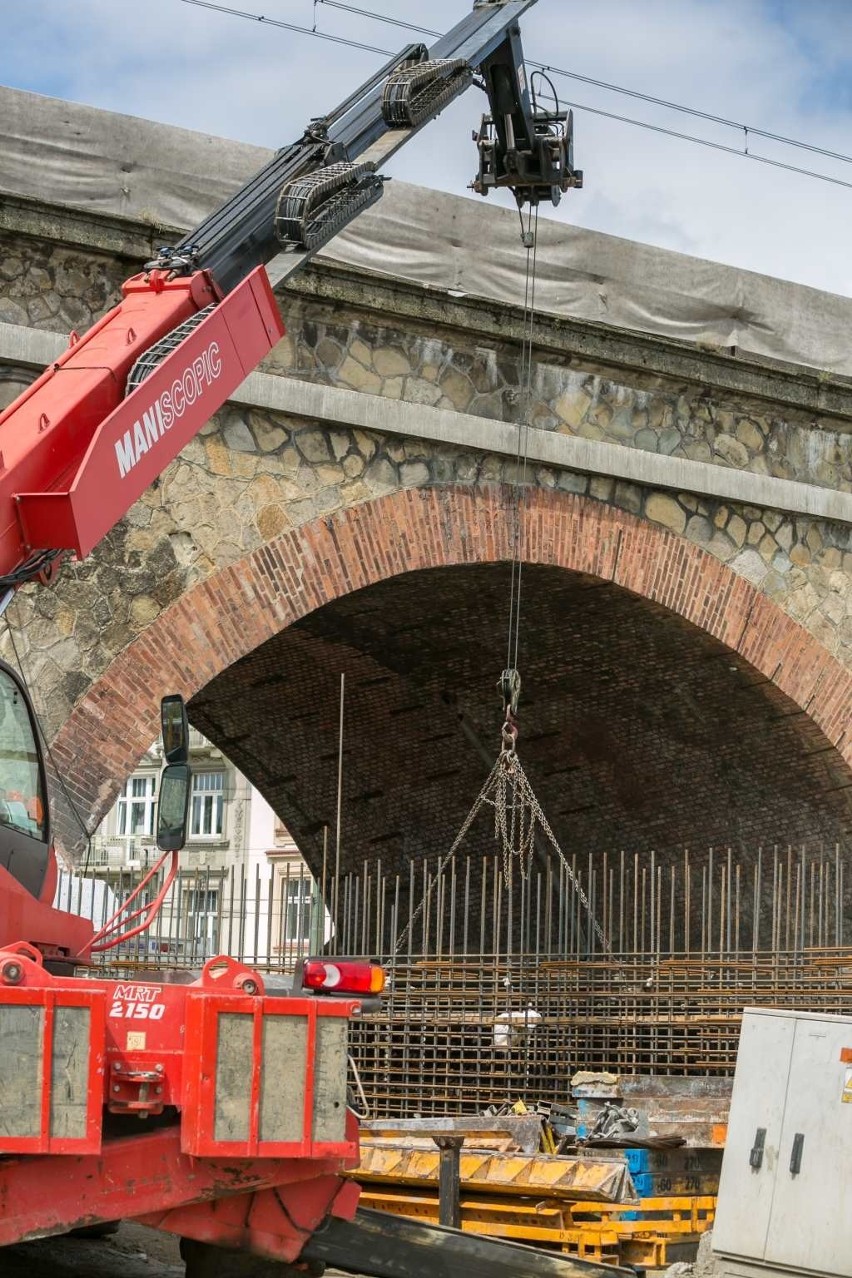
pixel 225 617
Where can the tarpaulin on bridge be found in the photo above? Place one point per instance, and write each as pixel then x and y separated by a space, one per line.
pixel 60 152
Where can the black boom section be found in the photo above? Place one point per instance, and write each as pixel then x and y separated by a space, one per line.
pixel 241 234
pixel 387 1246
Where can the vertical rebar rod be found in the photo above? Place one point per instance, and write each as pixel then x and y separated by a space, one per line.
pixel 339 820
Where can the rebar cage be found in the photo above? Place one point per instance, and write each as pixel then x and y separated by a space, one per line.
pixel 501 992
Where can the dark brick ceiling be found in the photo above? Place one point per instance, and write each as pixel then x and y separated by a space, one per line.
pixel 638 731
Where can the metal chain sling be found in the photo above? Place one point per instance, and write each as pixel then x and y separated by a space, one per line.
pixel 518 815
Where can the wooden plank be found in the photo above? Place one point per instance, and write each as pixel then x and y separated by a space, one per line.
pixel 69 1073
pixel 21 1074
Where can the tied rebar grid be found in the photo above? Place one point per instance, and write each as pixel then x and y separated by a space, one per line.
pixel 501 993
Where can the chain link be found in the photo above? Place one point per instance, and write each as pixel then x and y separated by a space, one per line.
pixel 517 816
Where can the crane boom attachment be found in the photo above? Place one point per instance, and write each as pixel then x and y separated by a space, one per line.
pixel 81 444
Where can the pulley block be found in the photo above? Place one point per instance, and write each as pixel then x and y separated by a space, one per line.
pixel 313 208
pixel 416 91
pixel 542 169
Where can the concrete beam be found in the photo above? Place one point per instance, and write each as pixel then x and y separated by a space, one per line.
pixel 29 347
pixel 338 406
pixel 105 233
pixel 332 404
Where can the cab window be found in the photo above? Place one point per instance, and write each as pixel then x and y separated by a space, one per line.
pixel 22 805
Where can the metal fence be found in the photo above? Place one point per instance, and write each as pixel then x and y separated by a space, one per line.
pixel 499 992
pixel 269 916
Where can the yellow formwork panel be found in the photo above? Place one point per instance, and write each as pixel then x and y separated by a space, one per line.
pixel 587 1230
pixel 541 1223
pixel 592 1180
pixel 684 1214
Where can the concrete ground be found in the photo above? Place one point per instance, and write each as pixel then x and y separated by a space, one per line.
pixel 138 1252
pixel 134 1252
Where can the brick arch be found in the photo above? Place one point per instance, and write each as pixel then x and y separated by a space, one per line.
pixel 225 617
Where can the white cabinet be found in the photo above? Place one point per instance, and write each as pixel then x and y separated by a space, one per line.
pixel 754 1136
pixel 785 1197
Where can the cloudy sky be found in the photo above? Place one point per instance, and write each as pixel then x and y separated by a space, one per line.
pixel 777 65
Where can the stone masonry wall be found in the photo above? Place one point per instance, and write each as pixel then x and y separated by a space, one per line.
pixel 252 474
pixel 55 287
pixel 462 370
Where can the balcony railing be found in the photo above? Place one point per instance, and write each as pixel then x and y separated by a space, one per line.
pixel 120 853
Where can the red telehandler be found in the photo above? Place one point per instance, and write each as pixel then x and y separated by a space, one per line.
pixel 212 1105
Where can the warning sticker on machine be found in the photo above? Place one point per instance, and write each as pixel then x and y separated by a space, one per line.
pixel 846 1098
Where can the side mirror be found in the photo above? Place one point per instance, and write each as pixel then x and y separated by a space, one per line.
pixel 173 807
pixel 175 726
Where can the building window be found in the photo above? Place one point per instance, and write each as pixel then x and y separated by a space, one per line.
pixel 202 901
pixel 300 910
pixel 136 807
pixel 200 937
pixel 208 804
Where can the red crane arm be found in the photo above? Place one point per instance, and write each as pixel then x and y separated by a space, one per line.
pixel 76 451
pixel 75 454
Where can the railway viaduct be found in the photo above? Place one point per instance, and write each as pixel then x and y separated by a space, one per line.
pixel 686 636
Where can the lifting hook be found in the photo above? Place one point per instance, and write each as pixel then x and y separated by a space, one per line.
pixel 510 690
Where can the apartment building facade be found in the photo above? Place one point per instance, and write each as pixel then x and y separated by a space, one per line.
pixel 242 887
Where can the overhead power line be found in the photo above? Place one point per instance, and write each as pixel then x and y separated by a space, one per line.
pixel 551 70
pixel 748 130
pixel 380 17
pixel 714 146
pixel 285 26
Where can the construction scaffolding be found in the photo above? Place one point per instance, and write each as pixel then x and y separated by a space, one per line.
pixel 502 992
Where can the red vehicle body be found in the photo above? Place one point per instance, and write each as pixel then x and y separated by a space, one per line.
pixel 137 1097
pixel 259 1083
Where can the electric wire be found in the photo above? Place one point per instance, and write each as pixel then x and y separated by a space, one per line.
pixel 286 26
pixel 380 17
pixel 713 146
pixel 577 106
pixel 749 130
